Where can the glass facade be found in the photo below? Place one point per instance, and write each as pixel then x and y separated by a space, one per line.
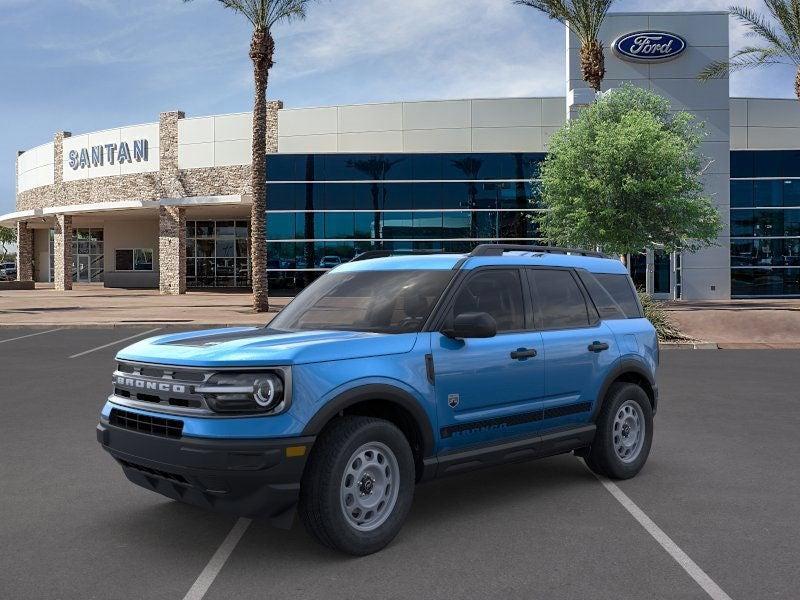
pixel 326 208
pixel 217 254
pixel 765 223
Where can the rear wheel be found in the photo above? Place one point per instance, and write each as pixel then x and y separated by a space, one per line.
pixel 358 486
pixel 624 433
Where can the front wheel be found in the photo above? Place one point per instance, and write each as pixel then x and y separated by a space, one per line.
pixel 624 433
pixel 358 486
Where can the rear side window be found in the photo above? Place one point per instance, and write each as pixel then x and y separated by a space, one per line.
pixel 612 294
pixel 497 292
pixel 559 300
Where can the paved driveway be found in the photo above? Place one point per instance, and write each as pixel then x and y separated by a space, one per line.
pixel 722 483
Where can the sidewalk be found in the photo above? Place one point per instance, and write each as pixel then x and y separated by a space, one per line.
pixel 93 305
pixel 740 323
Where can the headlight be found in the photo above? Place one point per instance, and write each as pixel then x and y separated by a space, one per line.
pixel 245 392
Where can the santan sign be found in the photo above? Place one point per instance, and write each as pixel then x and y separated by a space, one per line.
pixel 97 156
pixel 649 46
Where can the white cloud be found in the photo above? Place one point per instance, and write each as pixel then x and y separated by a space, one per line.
pixel 420 48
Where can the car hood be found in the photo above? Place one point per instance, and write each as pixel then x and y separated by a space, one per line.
pixel 259 346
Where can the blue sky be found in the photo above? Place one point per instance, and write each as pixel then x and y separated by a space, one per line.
pixel 84 65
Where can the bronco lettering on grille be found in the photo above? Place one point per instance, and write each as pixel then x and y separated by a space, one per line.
pixel 143 384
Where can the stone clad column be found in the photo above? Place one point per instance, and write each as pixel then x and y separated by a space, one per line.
pixel 62 253
pixel 171 250
pixel 171 184
pixel 24 252
pixel 171 219
pixel 273 106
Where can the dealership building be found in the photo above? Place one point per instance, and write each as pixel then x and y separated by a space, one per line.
pixel 167 204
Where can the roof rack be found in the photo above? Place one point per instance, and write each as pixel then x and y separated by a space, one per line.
pixel 500 249
pixel 369 254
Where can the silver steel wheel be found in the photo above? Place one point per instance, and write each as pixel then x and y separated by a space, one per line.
pixel 629 431
pixel 369 487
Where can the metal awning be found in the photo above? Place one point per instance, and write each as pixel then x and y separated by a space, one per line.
pixel 11 219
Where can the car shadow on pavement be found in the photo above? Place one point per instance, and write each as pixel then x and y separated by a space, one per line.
pixel 446 504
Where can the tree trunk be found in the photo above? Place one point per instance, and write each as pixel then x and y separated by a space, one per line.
pixel 593 64
pixel 262 48
pixel 797 84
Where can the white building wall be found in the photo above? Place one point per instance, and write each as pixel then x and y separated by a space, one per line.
pixel 35 167
pixel 765 124
pixel 480 125
pixel 706 274
pixel 215 141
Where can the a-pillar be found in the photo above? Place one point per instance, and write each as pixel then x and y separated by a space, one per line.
pixel 24 252
pixel 62 253
pixel 171 250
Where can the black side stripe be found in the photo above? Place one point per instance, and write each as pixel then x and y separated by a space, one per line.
pixel 520 419
pixel 567 409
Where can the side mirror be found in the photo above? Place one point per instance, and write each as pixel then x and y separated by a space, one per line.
pixel 472 325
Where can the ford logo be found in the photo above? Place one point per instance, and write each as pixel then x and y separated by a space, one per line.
pixel 649 46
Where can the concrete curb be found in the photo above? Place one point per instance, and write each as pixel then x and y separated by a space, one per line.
pixel 690 345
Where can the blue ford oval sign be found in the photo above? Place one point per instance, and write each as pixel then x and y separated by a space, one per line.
pixel 649 46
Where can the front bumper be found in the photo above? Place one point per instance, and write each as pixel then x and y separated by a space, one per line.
pixel 248 478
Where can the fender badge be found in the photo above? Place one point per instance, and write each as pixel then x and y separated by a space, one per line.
pixel 452 400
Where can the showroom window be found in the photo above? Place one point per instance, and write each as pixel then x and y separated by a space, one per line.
pixel 324 205
pixel 218 253
pixel 765 223
pixel 133 259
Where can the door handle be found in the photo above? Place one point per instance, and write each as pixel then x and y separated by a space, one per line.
pixel 523 353
pixel 598 346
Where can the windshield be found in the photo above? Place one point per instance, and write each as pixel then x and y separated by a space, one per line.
pixel 374 301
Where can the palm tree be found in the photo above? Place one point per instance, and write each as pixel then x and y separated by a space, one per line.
pixel 376 168
pixel 584 19
pixel 471 167
pixel 780 42
pixel 262 15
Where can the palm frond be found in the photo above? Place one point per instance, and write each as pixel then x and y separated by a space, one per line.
pixel 285 10
pixel 715 70
pixel 783 11
pixel 583 17
pixel 263 14
pixel 759 26
pixel 745 58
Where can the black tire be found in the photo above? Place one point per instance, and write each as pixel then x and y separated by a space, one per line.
pixel 320 506
pixel 602 458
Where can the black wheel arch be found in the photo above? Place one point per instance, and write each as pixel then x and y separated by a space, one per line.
pixel 631 371
pixel 383 401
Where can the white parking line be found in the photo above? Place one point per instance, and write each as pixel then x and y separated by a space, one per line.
pixel 22 337
pixel 695 572
pixel 214 566
pixel 114 343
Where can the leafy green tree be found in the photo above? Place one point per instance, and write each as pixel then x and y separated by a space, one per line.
pixel 8 236
pixel 263 15
pixel 778 36
pixel 626 175
pixel 584 18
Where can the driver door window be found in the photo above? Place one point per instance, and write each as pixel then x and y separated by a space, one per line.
pixel 497 292
pixel 484 392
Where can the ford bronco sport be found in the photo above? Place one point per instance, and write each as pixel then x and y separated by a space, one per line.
pixel 386 372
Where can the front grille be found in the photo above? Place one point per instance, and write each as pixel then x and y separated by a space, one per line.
pixel 161 386
pixel 157 472
pixel 171 428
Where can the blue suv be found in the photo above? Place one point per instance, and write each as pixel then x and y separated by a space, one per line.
pixel 386 372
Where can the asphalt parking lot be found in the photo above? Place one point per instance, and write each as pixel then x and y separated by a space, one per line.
pixel 722 482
